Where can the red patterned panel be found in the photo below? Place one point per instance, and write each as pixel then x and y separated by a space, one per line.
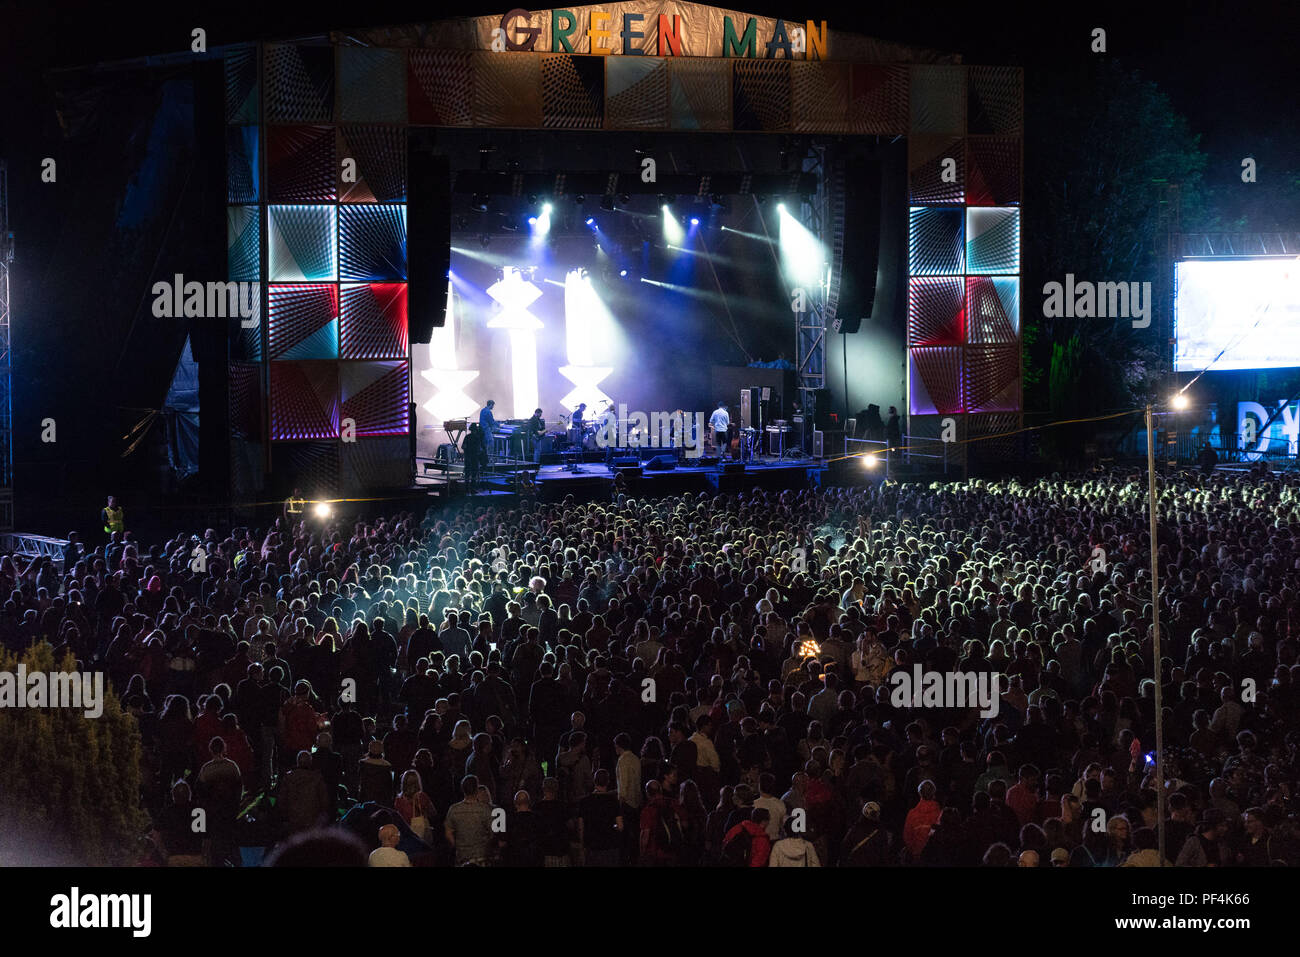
pixel 300 164
pixel 301 320
pixel 879 99
pixel 936 312
pixel 992 378
pixel 925 169
pixel 992 171
pixel 304 400
pixel 376 395
pixel 936 379
pixel 374 321
pixel 440 88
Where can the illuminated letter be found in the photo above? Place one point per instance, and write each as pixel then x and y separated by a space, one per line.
pixel 745 45
pixel 670 41
pixel 560 37
pixel 509 29
pixel 628 36
pixel 595 33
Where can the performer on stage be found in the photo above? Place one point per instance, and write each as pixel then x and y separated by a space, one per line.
pixel 487 421
pixel 720 423
pixel 534 429
pixel 476 454
pixel 576 424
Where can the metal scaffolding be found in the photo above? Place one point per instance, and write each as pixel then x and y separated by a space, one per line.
pixel 823 215
pixel 6 367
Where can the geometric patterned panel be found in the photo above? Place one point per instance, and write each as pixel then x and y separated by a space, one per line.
pixel 993 437
pixel 304 322
pixel 879 98
pixel 573 92
pixel 373 464
pixel 304 400
pixel 242 164
pixel 241 84
pixel 935 312
pixel 925 169
pixel 761 97
pixel 819 97
pixel 380 155
pixel 300 164
pixel 312 467
pixel 373 321
pixel 935 379
pixel 243 244
pixel 935 246
pixel 246 344
pixel 372 243
pixel 995 100
pixel 299 83
pixel 247 469
pixel 302 243
pixel 636 93
pixel 991 378
pixel 246 400
pixel 993 240
pixel 507 90
pixel 440 88
pixel 993 311
pixel 994 171
pixel 376 395
pixel 372 85
pixel 701 94
pixel 938 99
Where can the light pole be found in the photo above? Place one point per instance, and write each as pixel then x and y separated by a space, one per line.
pixel 1155 637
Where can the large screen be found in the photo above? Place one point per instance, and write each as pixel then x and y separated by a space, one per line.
pixel 1246 309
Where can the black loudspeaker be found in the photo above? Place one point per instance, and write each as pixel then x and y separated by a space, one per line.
pixel 707 461
pixel 861 243
pixel 733 468
pixel 626 463
pixel 822 419
pixel 662 463
pixel 428 241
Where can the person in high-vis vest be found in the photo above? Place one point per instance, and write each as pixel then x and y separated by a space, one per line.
pixel 113 517
pixel 294 506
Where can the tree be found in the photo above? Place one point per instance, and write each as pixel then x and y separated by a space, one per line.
pixel 71 785
pixel 1101 167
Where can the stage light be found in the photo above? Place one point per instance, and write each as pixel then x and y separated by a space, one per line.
pixel 780 207
pixel 1179 401
pixel 803 256
pixel 580 198
pixel 591 221
pixel 622 272
pixel 532 220
pixel 541 224
pixel 695 221
pixel 607 203
pixel 870 461
pixel 673 231
pixel 322 510
pixel 547 208
pixel 532 199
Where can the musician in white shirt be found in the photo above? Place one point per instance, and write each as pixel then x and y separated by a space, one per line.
pixel 719 423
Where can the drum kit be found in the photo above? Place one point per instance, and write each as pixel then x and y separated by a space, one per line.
pixel 584 437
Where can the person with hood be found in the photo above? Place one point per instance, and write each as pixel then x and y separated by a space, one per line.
pixel 921 819
pixel 793 850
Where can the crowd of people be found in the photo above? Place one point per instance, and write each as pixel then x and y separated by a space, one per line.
pixel 709 680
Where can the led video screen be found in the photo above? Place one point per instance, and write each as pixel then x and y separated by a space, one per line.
pixel 1246 309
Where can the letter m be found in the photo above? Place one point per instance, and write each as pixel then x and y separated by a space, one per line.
pixel 223 300
pixel 661 422
pixel 65 689
pixel 1115 296
pixel 743 46
pixel 117 910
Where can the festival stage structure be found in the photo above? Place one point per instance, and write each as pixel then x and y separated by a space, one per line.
pixel 335 160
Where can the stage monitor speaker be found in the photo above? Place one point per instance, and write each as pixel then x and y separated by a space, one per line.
pixel 630 462
pixel 662 463
pixel 707 461
pixel 428 241
pixel 818 437
pixel 733 468
pixel 861 244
